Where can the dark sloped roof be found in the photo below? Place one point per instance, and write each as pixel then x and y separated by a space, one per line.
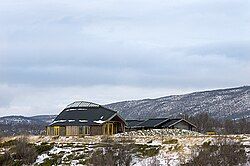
pixel 133 123
pixel 83 113
pixel 160 122
pixel 152 122
pixel 171 122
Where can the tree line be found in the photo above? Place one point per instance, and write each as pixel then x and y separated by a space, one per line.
pixel 207 123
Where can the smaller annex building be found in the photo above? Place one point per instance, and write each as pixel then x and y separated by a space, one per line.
pixel 159 123
pixel 86 118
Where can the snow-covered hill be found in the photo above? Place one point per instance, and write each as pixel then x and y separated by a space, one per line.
pixel 224 103
pixel 15 120
pixel 20 120
pixel 15 125
pixel 45 118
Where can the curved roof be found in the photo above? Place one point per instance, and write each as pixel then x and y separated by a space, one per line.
pixel 82 113
pixel 78 104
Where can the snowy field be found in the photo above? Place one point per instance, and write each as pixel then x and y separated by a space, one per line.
pixel 164 147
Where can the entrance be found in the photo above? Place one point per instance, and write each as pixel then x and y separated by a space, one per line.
pixel 56 130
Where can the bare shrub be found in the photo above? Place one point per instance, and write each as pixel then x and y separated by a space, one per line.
pixel 126 139
pixel 43 147
pixel 20 152
pixel 107 139
pixel 170 141
pixel 24 151
pixel 223 153
pixel 6 159
pixel 112 155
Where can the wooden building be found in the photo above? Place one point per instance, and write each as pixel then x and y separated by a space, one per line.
pixel 86 118
pixel 159 123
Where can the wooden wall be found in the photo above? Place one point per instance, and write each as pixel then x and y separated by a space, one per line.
pixel 107 128
pixel 183 125
pixel 96 130
pixel 72 130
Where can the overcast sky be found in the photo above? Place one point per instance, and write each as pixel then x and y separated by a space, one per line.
pixel 53 52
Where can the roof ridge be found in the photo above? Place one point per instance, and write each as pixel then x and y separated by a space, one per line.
pixel 158 118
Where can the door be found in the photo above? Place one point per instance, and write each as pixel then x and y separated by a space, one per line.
pixel 108 129
pixel 56 130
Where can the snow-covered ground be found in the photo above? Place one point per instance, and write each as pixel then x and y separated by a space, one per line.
pixel 175 146
pixel 246 143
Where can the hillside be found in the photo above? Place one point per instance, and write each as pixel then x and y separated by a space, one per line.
pixel 224 103
pixel 15 125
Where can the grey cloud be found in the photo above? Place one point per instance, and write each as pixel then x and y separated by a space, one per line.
pixel 134 44
pixel 237 50
pixel 94 43
pixel 135 70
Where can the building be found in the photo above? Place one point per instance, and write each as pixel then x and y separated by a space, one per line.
pixel 159 123
pixel 132 124
pixel 86 118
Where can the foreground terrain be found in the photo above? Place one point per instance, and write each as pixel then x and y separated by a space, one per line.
pixel 140 148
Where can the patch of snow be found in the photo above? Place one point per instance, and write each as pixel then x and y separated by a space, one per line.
pixel 83 121
pixel 40 159
pixel 58 121
pixel 57 150
pixel 75 163
pixel 71 120
pixel 99 121
pixel 155 143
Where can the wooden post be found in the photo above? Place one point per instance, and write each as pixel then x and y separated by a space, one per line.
pixel 112 128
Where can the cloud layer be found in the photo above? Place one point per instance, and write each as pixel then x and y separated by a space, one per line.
pixel 54 52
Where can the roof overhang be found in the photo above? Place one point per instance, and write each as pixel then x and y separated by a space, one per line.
pixel 182 120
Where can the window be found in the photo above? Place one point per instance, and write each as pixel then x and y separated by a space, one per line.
pixel 108 129
pixel 56 130
pixel 48 130
pixel 84 130
pixel 87 130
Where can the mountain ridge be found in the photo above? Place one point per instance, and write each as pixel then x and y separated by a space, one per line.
pixel 221 103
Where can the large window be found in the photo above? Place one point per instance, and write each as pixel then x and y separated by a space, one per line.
pixel 108 129
pixel 84 130
pixel 56 130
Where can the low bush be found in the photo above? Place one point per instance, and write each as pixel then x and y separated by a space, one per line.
pixel 223 153
pixel 146 150
pixel 20 153
pixel 49 162
pixel 170 141
pixel 44 147
pixel 25 152
pixel 116 154
pixel 206 144
pixel 107 139
pixel 8 143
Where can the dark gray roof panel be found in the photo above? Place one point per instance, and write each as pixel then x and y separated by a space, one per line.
pixel 170 122
pixel 73 115
pixel 133 123
pixel 152 122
